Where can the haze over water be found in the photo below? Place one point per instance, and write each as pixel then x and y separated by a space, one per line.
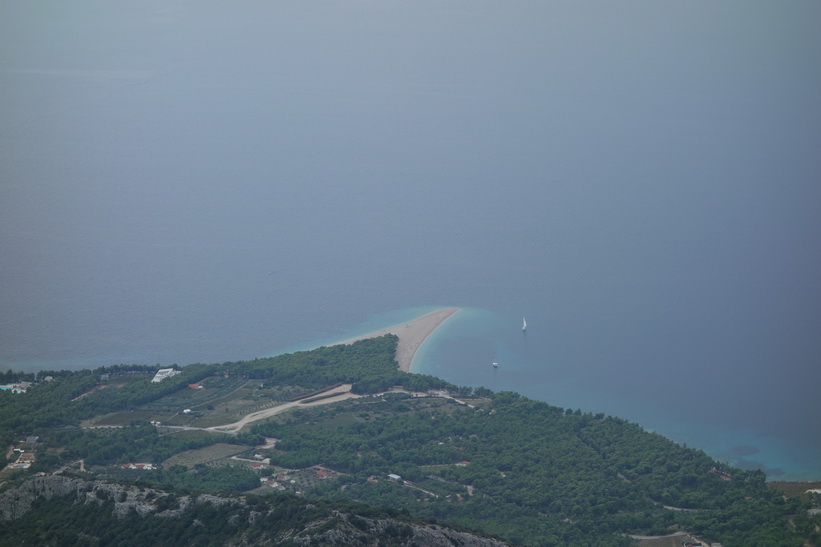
pixel 200 181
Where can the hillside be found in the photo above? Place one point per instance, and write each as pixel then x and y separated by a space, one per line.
pixel 340 428
pixel 53 510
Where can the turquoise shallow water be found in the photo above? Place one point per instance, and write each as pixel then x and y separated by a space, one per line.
pixel 463 348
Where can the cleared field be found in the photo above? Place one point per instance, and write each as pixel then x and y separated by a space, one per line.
pixel 121 418
pixel 212 453
pixel 229 414
pixel 797 489
pixel 675 540
pixel 340 393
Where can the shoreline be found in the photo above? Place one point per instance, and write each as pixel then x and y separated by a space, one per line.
pixel 412 335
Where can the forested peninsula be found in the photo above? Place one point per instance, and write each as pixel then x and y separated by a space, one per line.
pixel 337 446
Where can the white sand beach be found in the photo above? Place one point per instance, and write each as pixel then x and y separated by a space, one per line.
pixel 411 335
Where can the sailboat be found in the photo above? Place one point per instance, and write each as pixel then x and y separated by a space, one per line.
pixel 524 325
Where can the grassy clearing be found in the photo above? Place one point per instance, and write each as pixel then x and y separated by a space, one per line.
pixel 215 452
pixel 192 434
pixel 124 418
pixel 221 401
pixel 796 489
pixel 669 541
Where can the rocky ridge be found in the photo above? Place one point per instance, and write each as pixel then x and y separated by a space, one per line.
pixel 335 528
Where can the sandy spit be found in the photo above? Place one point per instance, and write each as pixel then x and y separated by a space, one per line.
pixel 411 335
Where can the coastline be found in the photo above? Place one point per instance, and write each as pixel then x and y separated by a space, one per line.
pixel 412 335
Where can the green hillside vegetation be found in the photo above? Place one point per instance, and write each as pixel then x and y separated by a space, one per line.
pixel 535 474
pixel 499 463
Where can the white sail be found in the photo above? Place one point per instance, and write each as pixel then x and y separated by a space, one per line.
pixel 524 324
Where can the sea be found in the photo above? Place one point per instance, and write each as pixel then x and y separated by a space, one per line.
pixel 204 181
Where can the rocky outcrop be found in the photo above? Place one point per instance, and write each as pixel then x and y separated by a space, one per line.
pixel 16 502
pixel 351 529
pixel 326 527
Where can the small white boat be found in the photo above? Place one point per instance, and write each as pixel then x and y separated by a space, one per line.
pixel 524 325
pixel 495 364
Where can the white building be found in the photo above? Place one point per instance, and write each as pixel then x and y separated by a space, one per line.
pixel 164 373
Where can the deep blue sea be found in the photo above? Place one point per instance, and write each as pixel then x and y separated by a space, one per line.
pixel 201 182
